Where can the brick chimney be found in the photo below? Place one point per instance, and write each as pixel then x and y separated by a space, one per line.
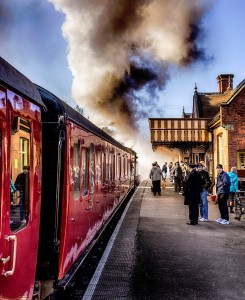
pixel 225 82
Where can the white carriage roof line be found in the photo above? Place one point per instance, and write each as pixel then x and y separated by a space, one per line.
pixel 19 83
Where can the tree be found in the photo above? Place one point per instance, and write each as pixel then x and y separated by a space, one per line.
pixel 79 109
pixel 108 131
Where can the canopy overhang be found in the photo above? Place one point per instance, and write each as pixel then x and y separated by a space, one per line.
pixel 165 131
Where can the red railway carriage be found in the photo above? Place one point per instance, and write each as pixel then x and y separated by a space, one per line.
pixel 62 178
pixel 20 145
pixel 86 173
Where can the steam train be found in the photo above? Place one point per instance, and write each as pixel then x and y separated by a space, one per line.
pixel 77 175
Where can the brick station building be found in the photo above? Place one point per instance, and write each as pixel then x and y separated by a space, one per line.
pixel 214 132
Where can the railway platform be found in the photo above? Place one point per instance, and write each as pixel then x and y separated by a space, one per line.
pixel 153 254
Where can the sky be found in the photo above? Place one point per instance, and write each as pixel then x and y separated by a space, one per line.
pixel 125 61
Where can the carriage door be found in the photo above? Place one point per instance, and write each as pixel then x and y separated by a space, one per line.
pixel 3 256
pixel 22 209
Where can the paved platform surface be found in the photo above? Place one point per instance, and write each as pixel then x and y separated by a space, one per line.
pixel 153 254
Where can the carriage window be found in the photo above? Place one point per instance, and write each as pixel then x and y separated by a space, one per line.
pixel 129 167
pixel 92 168
pixel 76 170
pixel 107 165
pixel 104 168
pixel 119 167
pixel 113 167
pixel 123 166
pixel 98 167
pixel 19 172
pixel 85 172
pixel 110 167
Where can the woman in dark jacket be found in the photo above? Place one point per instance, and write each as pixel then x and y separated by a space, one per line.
pixel 192 192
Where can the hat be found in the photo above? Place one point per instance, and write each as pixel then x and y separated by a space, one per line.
pixel 191 165
pixel 199 165
pixel 155 163
pixel 219 166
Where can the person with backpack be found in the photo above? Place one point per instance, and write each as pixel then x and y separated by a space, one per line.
pixel 222 191
pixel 234 186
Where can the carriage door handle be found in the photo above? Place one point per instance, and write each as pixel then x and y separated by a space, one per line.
pixel 4 260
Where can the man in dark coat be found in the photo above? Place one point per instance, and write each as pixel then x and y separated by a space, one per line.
pixel 222 191
pixel 192 192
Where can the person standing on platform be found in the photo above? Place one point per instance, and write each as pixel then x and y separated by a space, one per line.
pixel 222 191
pixel 193 188
pixel 170 166
pixel 233 187
pixel 203 164
pixel 204 193
pixel 185 172
pixel 177 177
pixel 12 192
pixel 22 185
pixel 156 176
pixel 164 171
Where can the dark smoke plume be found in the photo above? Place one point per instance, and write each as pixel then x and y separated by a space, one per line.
pixel 121 51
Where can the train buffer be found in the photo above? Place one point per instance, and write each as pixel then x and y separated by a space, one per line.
pixel 153 254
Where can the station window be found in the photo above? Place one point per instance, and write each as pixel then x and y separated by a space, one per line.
pixel 84 171
pixel 220 148
pixel 76 169
pixel 19 172
pixel 241 160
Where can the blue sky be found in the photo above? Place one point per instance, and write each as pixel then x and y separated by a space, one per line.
pixel 224 43
pixel 33 43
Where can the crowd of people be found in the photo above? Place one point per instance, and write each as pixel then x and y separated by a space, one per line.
pixel 194 183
